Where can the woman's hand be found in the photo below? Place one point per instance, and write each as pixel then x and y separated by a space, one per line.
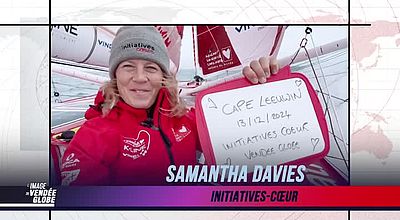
pixel 260 70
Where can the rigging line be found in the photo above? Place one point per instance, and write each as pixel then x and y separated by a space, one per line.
pixel 82 98
pixel 305 68
pixel 302 45
pixel 75 87
pixel 334 64
pixel 76 65
pixel 73 96
pixel 338 98
pixel 303 42
pixel 330 57
pixel 336 136
pixel 295 55
pixel 337 168
pixel 327 88
pixel 334 57
pixel 56 93
pixel 83 93
pixel 330 75
pixel 54 86
pixel 326 110
pixel 70 96
pixel 326 104
pixel 337 158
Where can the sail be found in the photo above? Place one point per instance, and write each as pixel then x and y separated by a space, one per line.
pixel 92 45
pixel 225 47
pixel 81 44
pixel 172 36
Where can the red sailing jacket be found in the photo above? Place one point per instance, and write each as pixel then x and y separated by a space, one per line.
pixel 126 148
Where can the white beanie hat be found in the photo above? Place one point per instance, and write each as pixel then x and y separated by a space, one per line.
pixel 138 42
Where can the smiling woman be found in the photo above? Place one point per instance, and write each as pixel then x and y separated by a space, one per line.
pixel 138 126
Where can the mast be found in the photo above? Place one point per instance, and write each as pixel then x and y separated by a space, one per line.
pixel 194 51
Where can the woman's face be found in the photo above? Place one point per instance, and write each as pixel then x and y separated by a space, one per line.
pixel 138 82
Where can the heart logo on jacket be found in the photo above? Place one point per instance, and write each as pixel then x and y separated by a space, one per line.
pixel 136 147
pixel 227 53
pixel 180 133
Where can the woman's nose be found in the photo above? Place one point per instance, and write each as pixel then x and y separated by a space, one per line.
pixel 140 75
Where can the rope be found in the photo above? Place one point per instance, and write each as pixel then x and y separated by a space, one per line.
pixel 302 45
pixel 56 93
pixel 329 94
pixel 329 114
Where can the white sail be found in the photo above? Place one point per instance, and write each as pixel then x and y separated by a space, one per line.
pixel 92 45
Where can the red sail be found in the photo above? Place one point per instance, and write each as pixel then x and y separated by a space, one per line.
pixel 215 51
pixel 224 47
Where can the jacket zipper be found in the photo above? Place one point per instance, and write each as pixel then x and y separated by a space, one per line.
pixel 150 124
pixel 166 140
pixel 167 143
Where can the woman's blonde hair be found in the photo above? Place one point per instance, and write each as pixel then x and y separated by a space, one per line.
pixel 178 106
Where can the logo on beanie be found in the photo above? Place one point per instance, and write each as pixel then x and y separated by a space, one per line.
pixel 140 47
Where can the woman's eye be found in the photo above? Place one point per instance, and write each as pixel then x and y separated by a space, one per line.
pixel 151 69
pixel 128 67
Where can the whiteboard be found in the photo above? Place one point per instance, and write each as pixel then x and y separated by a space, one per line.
pixel 265 124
